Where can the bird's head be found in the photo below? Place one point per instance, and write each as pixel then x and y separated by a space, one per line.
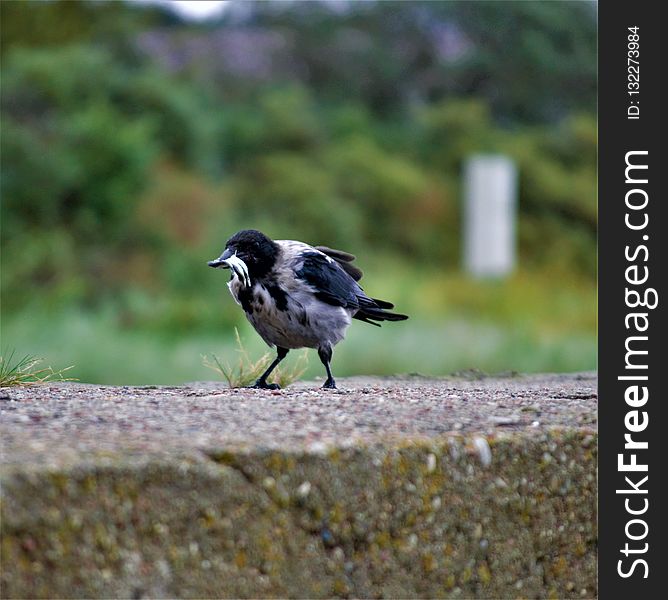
pixel 249 254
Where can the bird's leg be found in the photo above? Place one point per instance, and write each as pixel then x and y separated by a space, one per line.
pixel 325 354
pixel 261 383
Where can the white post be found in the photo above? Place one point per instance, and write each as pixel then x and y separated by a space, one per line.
pixel 490 206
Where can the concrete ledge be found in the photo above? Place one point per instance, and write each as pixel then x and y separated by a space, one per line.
pixel 392 488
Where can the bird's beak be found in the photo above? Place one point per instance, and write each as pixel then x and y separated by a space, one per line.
pixel 230 260
pixel 221 261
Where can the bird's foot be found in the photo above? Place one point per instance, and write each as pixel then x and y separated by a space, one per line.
pixel 330 384
pixel 263 385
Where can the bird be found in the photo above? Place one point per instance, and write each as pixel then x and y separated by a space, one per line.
pixel 298 296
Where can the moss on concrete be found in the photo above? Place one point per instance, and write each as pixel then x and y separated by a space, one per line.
pixel 394 519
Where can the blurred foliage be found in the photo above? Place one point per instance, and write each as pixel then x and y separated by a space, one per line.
pixel 134 144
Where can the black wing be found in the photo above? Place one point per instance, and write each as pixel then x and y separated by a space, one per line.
pixel 344 259
pixel 336 287
pixel 331 283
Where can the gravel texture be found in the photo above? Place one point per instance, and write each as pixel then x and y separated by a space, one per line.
pixel 397 487
pixel 69 423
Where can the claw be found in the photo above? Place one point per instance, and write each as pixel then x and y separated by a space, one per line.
pixel 263 385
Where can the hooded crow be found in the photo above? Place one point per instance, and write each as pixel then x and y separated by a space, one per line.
pixel 297 296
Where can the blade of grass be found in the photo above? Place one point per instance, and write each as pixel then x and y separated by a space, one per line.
pixel 246 371
pixel 26 370
pixel 285 376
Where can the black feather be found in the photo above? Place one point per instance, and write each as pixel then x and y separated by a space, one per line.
pixel 246 299
pixel 369 315
pixel 344 259
pixel 331 283
pixel 334 286
pixel 361 317
pixel 278 294
pixel 383 303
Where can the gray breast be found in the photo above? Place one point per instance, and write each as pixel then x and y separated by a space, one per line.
pixel 305 322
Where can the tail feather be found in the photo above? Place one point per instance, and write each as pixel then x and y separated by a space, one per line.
pixel 382 303
pixel 375 311
pixel 365 319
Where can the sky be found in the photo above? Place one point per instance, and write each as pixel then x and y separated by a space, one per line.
pixel 197 10
pixel 200 10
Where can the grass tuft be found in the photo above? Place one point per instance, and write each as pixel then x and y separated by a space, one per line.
pixel 26 370
pixel 246 371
